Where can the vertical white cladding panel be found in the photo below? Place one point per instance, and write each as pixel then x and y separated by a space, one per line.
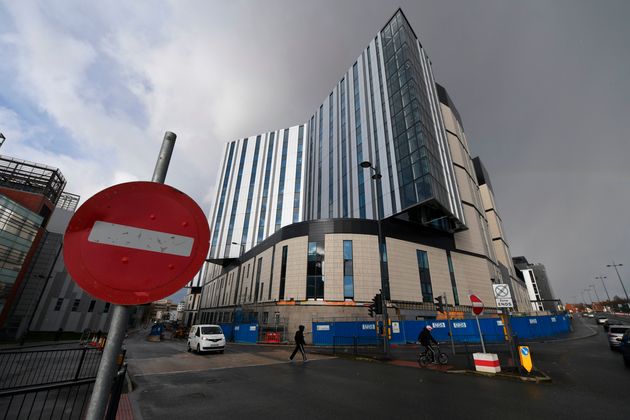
pixel 388 117
pixel 353 192
pixel 229 196
pixel 212 217
pixel 289 177
pixel 274 184
pixel 379 140
pixel 366 133
pixel 324 158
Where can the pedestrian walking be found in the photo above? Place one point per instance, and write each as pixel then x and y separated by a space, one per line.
pixel 299 344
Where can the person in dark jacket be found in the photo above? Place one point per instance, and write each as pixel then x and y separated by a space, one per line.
pixel 299 343
pixel 425 338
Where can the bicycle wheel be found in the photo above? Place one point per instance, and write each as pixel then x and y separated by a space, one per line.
pixel 423 361
pixel 443 358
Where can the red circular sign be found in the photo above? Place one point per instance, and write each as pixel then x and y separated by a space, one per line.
pixel 136 243
pixel 477 304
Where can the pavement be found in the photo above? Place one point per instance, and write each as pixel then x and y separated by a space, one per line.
pixel 589 382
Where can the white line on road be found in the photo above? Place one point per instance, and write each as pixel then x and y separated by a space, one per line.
pixel 143 239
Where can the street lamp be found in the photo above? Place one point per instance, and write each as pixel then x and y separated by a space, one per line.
pixel 624 287
pixel 242 249
pixel 376 176
pixel 589 294
pixel 600 277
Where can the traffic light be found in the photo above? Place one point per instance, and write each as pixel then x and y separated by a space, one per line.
pixel 439 305
pixel 376 307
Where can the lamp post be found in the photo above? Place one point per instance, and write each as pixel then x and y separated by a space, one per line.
pixel 376 176
pixel 589 295
pixel 600 277
pixel 624 287
pixel 596 295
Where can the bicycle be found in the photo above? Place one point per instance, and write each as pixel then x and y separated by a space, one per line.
pixel 428 356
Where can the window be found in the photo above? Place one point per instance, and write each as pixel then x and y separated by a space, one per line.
pixel 265 317
pixel 107 305
pixel 75 305
pixel 359 140
pixel 258 268
pixel 283 171
pixel 237 191
pixel 348 277
pixel 298 176
pixel 58 304
pixel 283 271
pixel 425 276
pixel 265 193
pixel 217 224
pixel 91 308
pixel 250 194
pixel 452 273
pixel 344 151
pixel 315 271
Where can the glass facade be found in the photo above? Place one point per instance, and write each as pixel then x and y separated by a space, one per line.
pixel 258 268
pixel 452 274
pixel 237 191
pixel 331 161
pixel 283 172
pixel 315 271
pixel 348 275
pixel 283 271
pixel 359 138
pixel 320 143
pixel 226 178
pixel 379 192
pixel 425 276
pixel 18 229
pixel 297 192
pixel 250 192
pixel 420 172
pixel 344 151
pixel 390 172
pixel 265 190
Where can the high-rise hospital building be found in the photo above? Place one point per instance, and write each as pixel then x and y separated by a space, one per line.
pixel 295 224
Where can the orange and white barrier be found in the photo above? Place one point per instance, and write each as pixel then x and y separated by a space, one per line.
pixel 487 362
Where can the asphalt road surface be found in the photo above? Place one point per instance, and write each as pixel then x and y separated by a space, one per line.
pixel 250 382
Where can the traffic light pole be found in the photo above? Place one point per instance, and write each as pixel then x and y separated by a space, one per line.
pixel 448 321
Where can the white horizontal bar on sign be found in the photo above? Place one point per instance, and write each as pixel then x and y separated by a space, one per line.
pixel 143 239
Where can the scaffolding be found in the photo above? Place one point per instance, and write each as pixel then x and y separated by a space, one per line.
pixel 31 177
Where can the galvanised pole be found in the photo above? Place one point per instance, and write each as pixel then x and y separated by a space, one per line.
pixel 620 281
pixel 118 326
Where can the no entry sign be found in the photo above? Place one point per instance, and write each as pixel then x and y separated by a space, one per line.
pixel 136 242
pixel 477 304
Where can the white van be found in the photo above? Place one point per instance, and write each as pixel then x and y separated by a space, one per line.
pixel 206 337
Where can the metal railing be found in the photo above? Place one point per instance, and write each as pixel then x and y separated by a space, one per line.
pixel 358 346
pixel 43 367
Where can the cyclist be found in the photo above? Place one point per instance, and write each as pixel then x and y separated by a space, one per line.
pixel 425 338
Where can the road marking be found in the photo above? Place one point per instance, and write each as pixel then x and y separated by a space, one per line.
pixel 143 239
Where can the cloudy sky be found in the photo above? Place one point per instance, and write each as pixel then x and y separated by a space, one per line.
pixel 543 88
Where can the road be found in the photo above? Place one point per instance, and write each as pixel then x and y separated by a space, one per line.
pixel 247 382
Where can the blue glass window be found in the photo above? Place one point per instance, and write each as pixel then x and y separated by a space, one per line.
pixel 298 176
pixel 452 273
pixel 359 138
pixel 226 178
pixel 265 193
pixel 250 193
pixel 237 191
pixel 283 271
pixel 315 271
pixel 425 276
pixel 283 171
pixel 348 272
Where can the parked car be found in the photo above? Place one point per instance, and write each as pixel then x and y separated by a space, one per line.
pixel 625 347
pixel 600 320
pixel 615 332
pixel 206 337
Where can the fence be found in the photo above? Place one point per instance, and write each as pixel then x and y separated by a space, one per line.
pixel 357 345
pixel 54 384
pixel 42 367
pixel 463 330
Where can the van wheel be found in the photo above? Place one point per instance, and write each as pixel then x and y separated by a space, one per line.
pixel 189 349
pixel 221 351
pixel 198 349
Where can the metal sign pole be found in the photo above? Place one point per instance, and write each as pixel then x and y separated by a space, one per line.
pixel 483 346
pixel 118 327
pixel 448 321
